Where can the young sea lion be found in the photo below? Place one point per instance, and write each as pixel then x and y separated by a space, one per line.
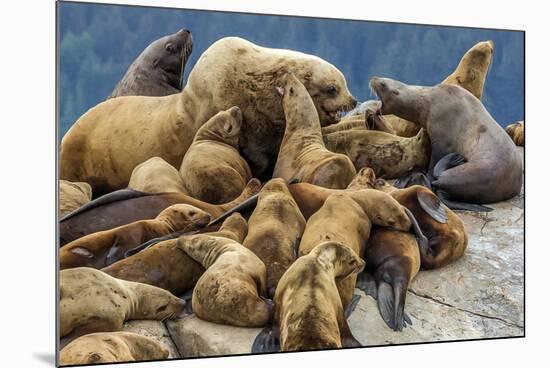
pixel 516 132
pixel 103 248
pixel 275 229
pixel 302 154
pixel 156 176
pixel 212 169
pixel 460 129
pixel 390 156
pixel 92 301
pixel 72 196
pixel 232 290
pixel 165 265
pixel 127 206
pixel 111 347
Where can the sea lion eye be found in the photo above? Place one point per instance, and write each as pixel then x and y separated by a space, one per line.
pixel 291 91
pixel 379 182
pixel 192 213
pixel 162 309
pixel 332 90
pixel 395 92
pixel 169 47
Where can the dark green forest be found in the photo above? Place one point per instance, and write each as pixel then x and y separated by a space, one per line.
pixel 97 43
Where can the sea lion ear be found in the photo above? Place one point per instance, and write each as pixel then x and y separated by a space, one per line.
pixel 280 90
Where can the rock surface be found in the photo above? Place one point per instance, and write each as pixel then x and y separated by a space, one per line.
pixel 155 330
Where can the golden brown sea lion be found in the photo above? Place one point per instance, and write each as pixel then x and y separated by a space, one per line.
pixel 212 169
pixel 302 154
pixel 92 301
pixel 72 196
pixel 390 156
pixel 275 229
pixel 232 289
pixel 347 123
pixel 156 176
pixel 364 179
pixel 103 248
pixel 308 309
pixel 516 132
pixel 111 347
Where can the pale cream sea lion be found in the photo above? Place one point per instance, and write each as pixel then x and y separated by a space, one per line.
pixel 72 196
pixel 156 176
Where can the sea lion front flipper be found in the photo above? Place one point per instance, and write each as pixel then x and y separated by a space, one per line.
pixel 244 206
pixel 447 162
pixel 352 304
pixel 432 205
pixel 421 239
pixel 415 176
pixel 391 304
pixel 463 206
pixel 367 283
pixel 267 341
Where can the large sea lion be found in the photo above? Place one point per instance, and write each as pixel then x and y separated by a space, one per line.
pixel 92 301
pixel 103 248
pixel 72 196
pixel 165 265
pixel 342 220
pixel 447 237
pixel 156 176
pixel 460 130
pixel 516 132
pixel 125 206
pixel 107 142
pixel 111 347
pixel 158 70
pixel 212 169
pixel 302 154
pixel 308 309
pixel 275 229
pixel 390 156
pixel 232 289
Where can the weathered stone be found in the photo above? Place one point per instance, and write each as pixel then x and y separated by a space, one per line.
pixel 195 337
pixel 155 330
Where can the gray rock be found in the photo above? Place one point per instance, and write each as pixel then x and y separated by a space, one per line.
pixel 155 330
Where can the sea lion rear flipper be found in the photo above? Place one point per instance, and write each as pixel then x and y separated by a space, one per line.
pixel 447 162
pixel 353 303
pixel 244 206
pixel 455 205
pixel 415 176
pixel 366 282
pixel 432 205
pixel 267 341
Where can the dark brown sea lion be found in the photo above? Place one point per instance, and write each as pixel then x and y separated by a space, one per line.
pixel 302 154
pixel 158 70
pixel 275 229
pixel 92 301
pixel 103 248
pixel 109 212
pixel 516 132
pixel 476 160
pixel 72 196
pixel 111 347
pixel 167 266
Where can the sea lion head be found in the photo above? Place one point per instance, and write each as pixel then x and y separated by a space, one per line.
pixel 384 186
pixel 364 179
pixel 181 216
pixel 236 225
pixel 342 257
pixel 170 54
pixel 156 303
pixel 224 127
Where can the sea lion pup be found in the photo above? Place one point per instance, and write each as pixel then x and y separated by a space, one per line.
pixel 447 237
pixel 275 229
pixel 342 220
pixel 92 301
pixel 212 169
pixel 516 132
pixel 158 70
pixel 165 265
pixel 393 259
pixel 303 154
pixel 126 206
pixel 308 309
pixel 103 248
pixel 107 142
pixel 72 196
pixel 390 156
pixel 111 347
pixel 156 176
pixel 232 289
pixel 460 129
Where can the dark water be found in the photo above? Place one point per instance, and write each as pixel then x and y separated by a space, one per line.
pixel 98 42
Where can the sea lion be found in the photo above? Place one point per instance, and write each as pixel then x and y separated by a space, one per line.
pixel 516 132
pixel 111 347
pixel 212 169
pixel 342 220
pixel 104 214
pixel 156 176
pixel 103 248
pixel 275 229
pixel 92 301
pixel 350 123
pixel 107 142
pixel 302 153
pixel 392 261
pixel 72 196
pixel 364 179
pixel 447 237
pixel 232 289
pixel 460 129
pixel 158 70
pixel 165 265
pixel 390 156
pixel 308 309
